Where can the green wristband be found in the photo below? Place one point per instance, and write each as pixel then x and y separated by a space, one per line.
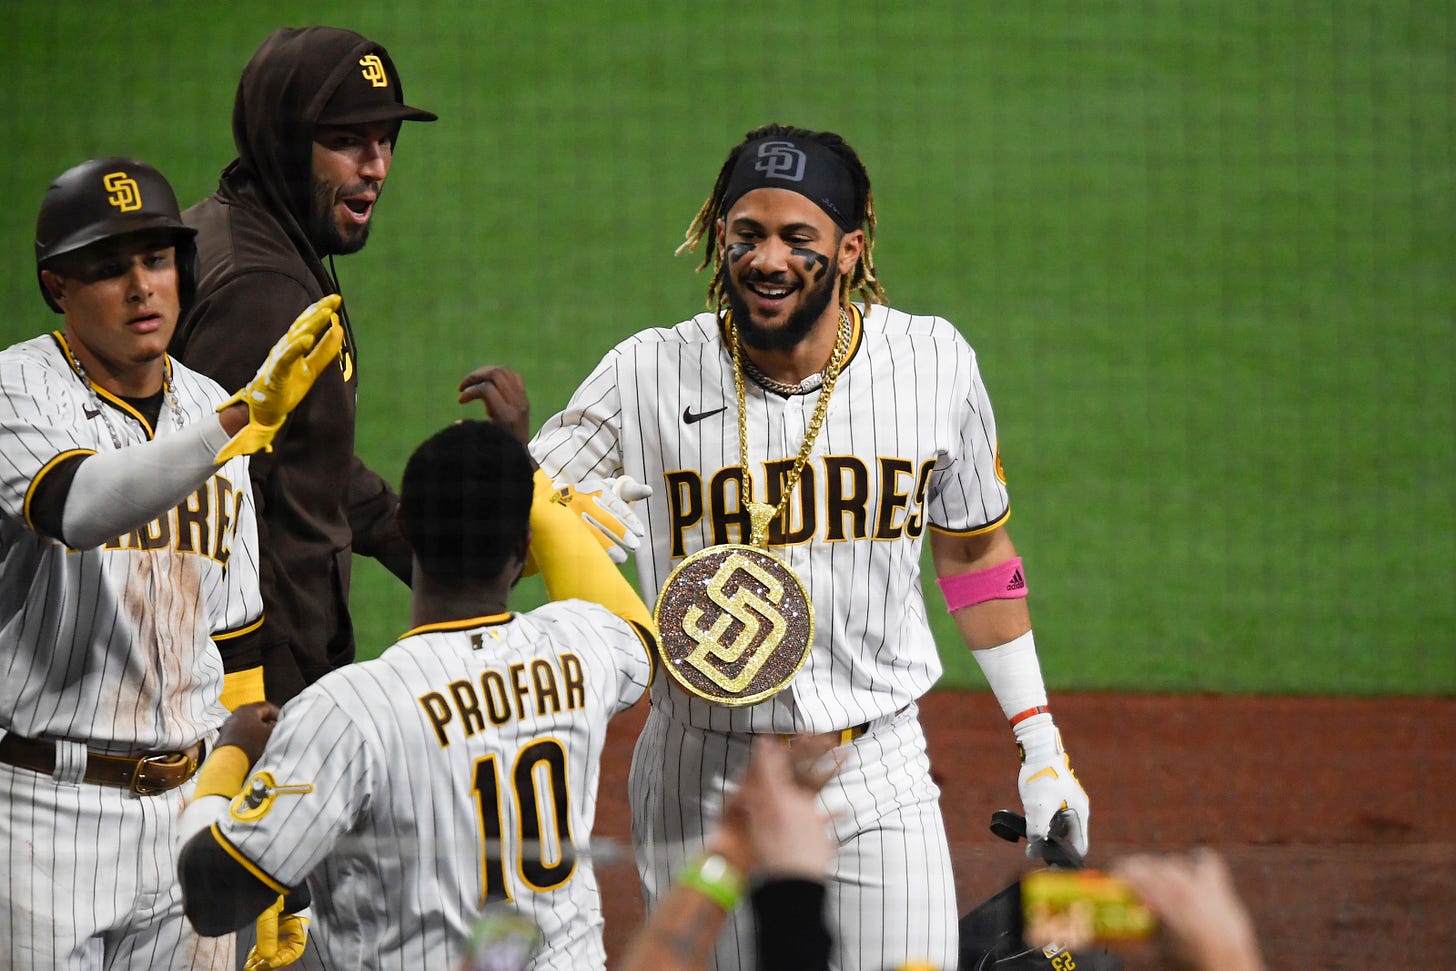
pixel 715 878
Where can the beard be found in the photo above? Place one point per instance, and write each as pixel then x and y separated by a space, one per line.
pixel 324 231
pixel 800 323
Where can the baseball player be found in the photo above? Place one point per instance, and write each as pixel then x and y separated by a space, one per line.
pixel 129 575
pixel 836 436
pixel 457 771
pixel 316 121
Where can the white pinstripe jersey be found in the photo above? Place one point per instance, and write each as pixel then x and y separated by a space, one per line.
pixel 114 645
pixel 415 764
pixel 909 440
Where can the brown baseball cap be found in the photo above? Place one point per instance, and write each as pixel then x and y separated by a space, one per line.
pixel 368 92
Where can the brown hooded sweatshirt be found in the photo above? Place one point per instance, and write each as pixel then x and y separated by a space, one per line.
pixel 317 502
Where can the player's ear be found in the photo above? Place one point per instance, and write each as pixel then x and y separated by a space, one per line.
pixel 851 248
pixel 54 283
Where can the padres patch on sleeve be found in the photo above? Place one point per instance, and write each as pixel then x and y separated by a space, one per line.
pixel 256 800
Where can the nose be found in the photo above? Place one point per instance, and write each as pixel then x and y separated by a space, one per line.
pixel 374 160
pixel 771 255
pixel 139 283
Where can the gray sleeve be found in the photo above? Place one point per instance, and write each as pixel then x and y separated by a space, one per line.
pixel 115 492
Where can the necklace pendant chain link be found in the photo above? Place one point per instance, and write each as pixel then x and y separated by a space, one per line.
pixel 761 514
pixel 169 397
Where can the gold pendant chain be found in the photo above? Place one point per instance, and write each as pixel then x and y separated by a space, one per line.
pixel 760 514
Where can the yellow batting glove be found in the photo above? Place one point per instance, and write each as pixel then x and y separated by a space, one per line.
pixel 299 357
pixel 281 939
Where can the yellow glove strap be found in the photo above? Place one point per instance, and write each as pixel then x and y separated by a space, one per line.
pixel 223 773
pixel 242 687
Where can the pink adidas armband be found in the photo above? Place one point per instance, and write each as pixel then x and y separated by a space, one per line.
pixel 1004 581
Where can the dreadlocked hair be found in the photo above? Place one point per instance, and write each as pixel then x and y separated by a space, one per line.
pixel 704 227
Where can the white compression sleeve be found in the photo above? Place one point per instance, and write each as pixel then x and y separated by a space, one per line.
pixel 115 492
pixel 200 813
pixel 1014 674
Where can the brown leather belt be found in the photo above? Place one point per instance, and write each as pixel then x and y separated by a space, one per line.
pixel 144 775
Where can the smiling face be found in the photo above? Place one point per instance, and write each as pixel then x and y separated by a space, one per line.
pixel 349 166
pixel 782 257
pixel 120 298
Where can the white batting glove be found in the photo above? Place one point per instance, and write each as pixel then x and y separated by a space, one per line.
pixel 606 506
pixel 1048 784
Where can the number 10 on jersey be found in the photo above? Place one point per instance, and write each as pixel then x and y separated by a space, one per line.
pixel 544 855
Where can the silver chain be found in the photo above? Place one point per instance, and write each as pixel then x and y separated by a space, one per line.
pixel 169 399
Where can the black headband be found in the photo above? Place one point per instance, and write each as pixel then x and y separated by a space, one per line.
pixel 800 165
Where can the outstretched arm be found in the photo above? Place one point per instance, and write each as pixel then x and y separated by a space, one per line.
pixel 87 499
pixel 572 560
pixel 91 498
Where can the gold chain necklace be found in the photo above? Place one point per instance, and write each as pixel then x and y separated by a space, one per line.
pixel 760 514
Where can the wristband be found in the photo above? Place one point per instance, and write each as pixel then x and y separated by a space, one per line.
pixel 224 772
pixel 241 687
pixel 1022 716
pixel 714 878
pixel 1004 581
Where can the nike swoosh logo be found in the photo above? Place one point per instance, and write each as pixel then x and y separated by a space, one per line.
pixel 690 418
pixel 90 413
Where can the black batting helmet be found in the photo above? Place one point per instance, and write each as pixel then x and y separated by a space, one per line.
pixel 107 197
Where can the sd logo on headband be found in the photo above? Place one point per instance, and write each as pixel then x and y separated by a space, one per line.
pixel 780 160
pixel 801 165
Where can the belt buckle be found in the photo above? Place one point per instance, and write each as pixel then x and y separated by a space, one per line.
pixel 160 760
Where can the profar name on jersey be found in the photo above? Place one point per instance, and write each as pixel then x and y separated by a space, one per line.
pixel 535 688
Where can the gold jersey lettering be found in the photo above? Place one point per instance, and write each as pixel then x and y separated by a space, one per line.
pixel 839 498
pixel 538 688
pixel 202 524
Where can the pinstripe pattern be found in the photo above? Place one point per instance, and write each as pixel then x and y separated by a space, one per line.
pixel 139 670
pixel 393 822
pixel 123 911
pixel 909 404
pixel 106 648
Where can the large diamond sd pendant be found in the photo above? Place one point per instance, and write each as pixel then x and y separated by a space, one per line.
pixel 734 624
